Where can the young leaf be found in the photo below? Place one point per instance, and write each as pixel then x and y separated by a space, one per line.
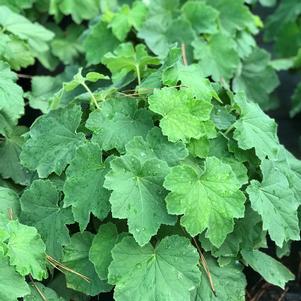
pixel 138 195
pixel 167 272
pixel 127 18
pixel 53 141
pixel 127 59
pixel 83 188
pixel 40 209
pixel 208 199
pixel 275 202
pixel 26 250
pixel 76 257
pixel 12 285
pixel 184 116
pixel 270 269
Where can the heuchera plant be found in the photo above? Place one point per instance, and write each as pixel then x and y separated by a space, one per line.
pixel 160 179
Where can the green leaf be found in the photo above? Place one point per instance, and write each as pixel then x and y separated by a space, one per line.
pixel 79 79
pixel 255 129
pixel 212 54
pixel 10 149
pixel 202 17
pixel 66 45
pixel 208 199
pixel 270 269
pixel 35 34
pixel 9 200
pixel 296 101
pixel 83 188
pixel 229 283
pixel 103 243
pixel 126 18
pixel 247 234
pixel 118 122
pixel 79 10
pixel 256 78
pixel 157 146
pixel 12 285
pixel 40 209
pixel 291 168
pixel 26 250
pixel 93 44
pixel 184 116
pixel 45 88
pixel 76 257
pixel 138 195
pixel 17 5
pixel 39 289
pixel 234 15
pixel 127 59
pixel 192 77
pixel 15 52
pixel 275 202
pixel 286 12
pixel 167 272
pixel 53 141
pixel 11 96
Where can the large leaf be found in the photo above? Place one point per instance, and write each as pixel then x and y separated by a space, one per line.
pixel 256 78
pixel 255 129
pixel 12 285
pixel 9 201
pixel 270 269
pixel 118 121
pixel 53 141
pixel 76 257
pixel 167 272
pixel 41 209
pixel 83 188
pixel 275 202
pixel 229 283
pixel 95 48
pixel 10 149
pixel 208 199
pixel 157 146
pixel 138 195
pixel 212 54
pixel 102 245
pixel 11 95
pixel 35 34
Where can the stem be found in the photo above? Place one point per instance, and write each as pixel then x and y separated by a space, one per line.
pixel 205 266
pixel 230 128
pixel 138 74
pixel 24 75
pixel 184 57
pixel 38 290
pixel 91 94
